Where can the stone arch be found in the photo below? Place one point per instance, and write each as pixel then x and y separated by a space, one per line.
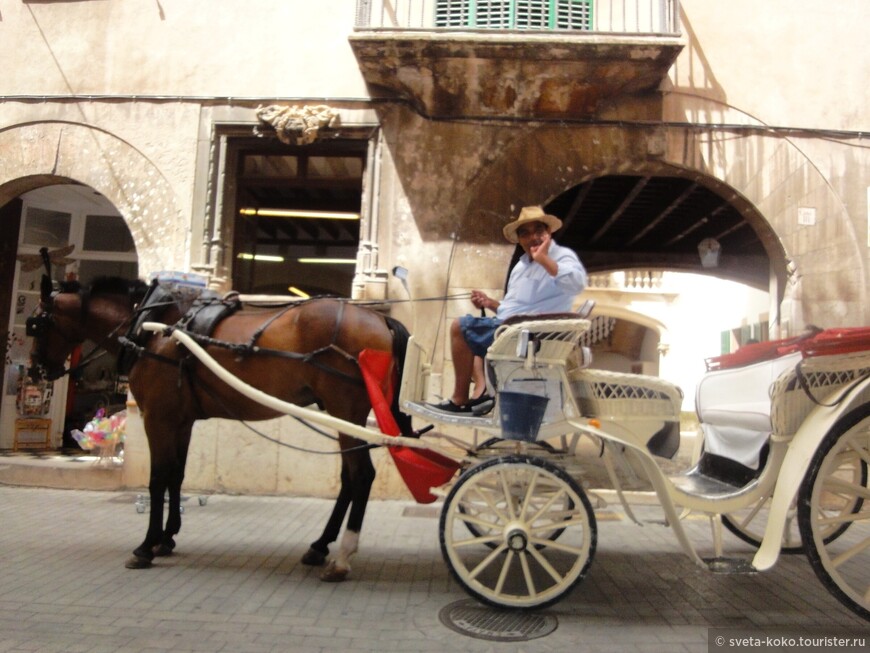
pixel 44 153
pixel 547 160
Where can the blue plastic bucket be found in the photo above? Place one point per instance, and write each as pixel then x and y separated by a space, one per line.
pixel 521 414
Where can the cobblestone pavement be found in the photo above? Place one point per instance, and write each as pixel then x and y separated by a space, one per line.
pixel 236 583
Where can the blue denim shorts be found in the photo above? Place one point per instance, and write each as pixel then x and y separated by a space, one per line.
pixel 479 332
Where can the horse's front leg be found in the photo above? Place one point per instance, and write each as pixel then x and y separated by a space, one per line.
pixel 176 479
pixel 361 477
pixel 144 553
pixel 173 520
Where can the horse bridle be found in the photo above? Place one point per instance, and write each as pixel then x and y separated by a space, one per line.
pixel 37 327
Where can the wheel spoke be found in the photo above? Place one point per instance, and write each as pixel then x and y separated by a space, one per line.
pixel 847 518
pixel 851 552
pixel 476 521
pixel 508 497
pixel 505 568
pixel 488 501
pixel 853 489
pixel 527 574
pixel 754 511
pixel 847 459
pixel 537 555
pixel 495 553
pixel 530 493
pixel 862 453
pixel 483 539
pixel 546 506
pixel 559 546
pixel 579 521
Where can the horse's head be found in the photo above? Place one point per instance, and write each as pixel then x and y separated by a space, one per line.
pixel 71 315
pixel 54 334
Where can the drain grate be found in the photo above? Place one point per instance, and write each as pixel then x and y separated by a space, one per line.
pixel 468 617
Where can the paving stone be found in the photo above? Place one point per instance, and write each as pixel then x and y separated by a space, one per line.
pixel 236 584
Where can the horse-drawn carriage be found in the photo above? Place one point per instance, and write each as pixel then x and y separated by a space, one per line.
pixel 517 526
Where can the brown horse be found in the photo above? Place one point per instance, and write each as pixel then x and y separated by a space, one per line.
pixel 306 354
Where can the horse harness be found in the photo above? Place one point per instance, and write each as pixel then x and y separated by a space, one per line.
pixel 201 315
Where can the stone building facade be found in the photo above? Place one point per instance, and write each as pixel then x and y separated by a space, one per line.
pixel 442 132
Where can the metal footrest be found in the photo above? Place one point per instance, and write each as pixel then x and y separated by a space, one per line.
pixel 697 484
pixel 425 411
pixel 730 566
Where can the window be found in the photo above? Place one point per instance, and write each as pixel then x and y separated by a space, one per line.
pixel 515 14
pixel 297 216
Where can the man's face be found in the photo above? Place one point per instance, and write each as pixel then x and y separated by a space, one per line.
pixel 531 235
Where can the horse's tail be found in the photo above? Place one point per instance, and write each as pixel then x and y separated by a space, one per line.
pixel 400 349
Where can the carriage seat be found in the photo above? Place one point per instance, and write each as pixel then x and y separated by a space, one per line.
pixel 733 406
pixel 581 313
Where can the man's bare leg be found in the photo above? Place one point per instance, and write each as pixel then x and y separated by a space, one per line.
pixel 478 378
pixel 463 365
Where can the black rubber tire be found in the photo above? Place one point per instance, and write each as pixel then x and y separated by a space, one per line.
pixel 808 498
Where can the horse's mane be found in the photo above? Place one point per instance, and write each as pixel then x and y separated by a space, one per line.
pixel 118 286
pixel 107 285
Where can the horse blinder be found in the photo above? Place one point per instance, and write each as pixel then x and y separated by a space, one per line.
pixel 37 326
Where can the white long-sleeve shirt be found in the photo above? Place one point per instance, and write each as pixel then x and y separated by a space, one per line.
pixel 531 290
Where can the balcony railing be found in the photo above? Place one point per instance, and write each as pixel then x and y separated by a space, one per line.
pixel 654 281
pixel 638 17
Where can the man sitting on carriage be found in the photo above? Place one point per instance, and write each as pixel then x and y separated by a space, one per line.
pixel 545 279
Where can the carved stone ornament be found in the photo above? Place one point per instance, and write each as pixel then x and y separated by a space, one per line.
pixel 297 125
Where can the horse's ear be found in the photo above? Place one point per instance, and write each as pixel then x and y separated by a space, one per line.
pixel 45 289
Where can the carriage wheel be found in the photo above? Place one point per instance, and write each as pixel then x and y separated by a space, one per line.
pixel 475 528
pixel 749 523
pixel 832 499
pixel 516 504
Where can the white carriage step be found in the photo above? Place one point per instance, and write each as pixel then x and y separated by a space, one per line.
pixel 696 484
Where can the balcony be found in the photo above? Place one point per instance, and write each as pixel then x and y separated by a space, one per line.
pixel 546 59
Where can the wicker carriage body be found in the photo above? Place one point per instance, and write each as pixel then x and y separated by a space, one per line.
pixel 546 354
pixel 814 381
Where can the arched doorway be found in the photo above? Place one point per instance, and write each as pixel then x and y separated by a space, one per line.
pixel 667 223
pixel 89 239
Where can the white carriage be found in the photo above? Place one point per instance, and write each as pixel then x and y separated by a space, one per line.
pixel 517 527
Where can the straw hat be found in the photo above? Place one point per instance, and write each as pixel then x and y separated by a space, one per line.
pixel 530 214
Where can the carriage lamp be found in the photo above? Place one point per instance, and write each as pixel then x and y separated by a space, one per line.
pixel 709 249
pixel 401 273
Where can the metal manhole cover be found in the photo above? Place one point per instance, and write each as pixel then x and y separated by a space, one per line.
pixel 468 617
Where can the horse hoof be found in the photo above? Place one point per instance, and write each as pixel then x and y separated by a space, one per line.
pixel 313 558
pixel 137 562
pixel 162 550
pixel 332 574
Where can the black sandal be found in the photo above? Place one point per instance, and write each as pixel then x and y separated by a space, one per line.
pixel 448 406
pixel 482 399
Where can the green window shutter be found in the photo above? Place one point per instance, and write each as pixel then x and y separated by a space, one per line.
pixel 452 13
pixel 494 14
pixel 532 14
pixel 573 14
pixel 515 14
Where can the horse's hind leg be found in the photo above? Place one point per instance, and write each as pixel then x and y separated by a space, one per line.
pixel 361 478
pixel 319 549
